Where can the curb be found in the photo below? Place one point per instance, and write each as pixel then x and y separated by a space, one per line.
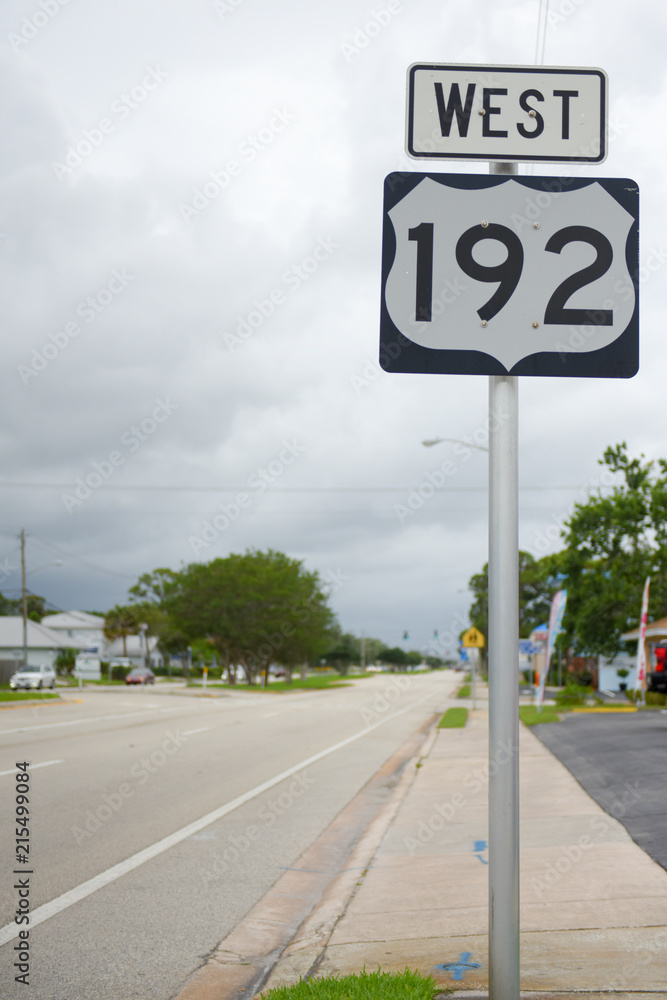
pixel 304 953
pixel 286 932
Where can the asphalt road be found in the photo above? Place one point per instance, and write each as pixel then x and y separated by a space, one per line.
pixel 621 761
pixel 157 821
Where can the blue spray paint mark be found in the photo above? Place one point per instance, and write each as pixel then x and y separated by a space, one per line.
pixel 462 966
pixel 479 848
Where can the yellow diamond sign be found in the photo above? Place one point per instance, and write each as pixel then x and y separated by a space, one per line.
pixel 473 638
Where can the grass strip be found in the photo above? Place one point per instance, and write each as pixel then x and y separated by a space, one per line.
pixel 454 718
pixel 530 715
pixel 26 695
pixel 311 684
pixel 463 691
pixel 363 986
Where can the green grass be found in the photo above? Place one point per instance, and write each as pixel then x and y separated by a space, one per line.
pixel 454 718
pixel 463 691
pixel 530 715
pixel 311 684
pixel 6 694
pixel 364 986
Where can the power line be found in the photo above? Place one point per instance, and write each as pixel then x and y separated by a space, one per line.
pixel 269 489
pixel 541 39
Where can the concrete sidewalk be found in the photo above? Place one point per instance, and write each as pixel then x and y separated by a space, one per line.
pixel 593 904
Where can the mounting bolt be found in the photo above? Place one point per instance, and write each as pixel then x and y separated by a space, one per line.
pixel 536 225
pixel 535 325
pixel 532 113
pixel 484 322
pixel 485 224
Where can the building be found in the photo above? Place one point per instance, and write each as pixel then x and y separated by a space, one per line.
pixel 655 632
pixel 81 627
pixel 135 650
pixel 43 643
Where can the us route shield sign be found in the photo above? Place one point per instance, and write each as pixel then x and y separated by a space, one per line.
pixel 495 274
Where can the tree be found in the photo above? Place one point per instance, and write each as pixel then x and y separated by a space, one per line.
pixel 153 588
pixel 36 606
pixel 612 543
pixel 395 657
pixel 343 653
pixel 65 660
pixel 148 597
pixel 257 608
pixel 121 621
pixel 414 658
pixel 537 585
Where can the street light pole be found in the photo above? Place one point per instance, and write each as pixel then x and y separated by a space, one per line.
pixel 24 593
pixel 24 601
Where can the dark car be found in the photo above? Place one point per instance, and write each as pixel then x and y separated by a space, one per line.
pixel 140 675
pixel 657 678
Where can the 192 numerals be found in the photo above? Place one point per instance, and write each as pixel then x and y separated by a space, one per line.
pixel 508 272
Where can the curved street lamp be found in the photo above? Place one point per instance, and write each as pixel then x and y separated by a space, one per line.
pixel 469 444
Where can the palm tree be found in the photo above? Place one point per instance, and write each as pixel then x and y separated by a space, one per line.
pixel 121 621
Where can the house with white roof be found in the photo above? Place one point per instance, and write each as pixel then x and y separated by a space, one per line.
pixel 43 643
pixel 81 627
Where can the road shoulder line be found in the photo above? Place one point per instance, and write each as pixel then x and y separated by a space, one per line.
pixel 287 931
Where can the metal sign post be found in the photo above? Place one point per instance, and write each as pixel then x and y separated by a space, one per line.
pixel 504 967
pixel 561 300
pixel 503 692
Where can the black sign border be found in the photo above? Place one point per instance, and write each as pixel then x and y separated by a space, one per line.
pixel 399 354
pixel 519 158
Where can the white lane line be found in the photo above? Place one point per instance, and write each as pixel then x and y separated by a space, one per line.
pixel 47 910
pixel 191 732
pixel 99 718
pixel 47 763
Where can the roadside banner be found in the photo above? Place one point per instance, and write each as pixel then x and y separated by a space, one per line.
pixel 555 625
pixel 640 677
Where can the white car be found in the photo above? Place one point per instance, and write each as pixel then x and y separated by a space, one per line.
pixel 32 676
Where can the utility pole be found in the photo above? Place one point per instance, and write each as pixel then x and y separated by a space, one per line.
pixel 24 600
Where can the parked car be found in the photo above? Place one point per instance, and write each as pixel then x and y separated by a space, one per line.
pixel 31 676
pixel 140 675
pixel 657 678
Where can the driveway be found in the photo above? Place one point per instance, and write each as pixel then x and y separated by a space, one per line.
pixel 621 761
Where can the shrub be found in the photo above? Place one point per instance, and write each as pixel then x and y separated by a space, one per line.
pixel 573 694
pixel 654 699
pixel 119 673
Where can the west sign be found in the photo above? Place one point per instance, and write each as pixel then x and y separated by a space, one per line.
pixel 507 113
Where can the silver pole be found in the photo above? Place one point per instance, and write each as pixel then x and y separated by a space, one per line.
pixel 503 681
pixel 24 600
pixel 474 653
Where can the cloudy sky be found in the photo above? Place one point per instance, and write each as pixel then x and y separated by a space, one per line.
pixel 190 250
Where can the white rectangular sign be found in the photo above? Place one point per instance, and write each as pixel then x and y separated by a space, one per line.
pixel 530 113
